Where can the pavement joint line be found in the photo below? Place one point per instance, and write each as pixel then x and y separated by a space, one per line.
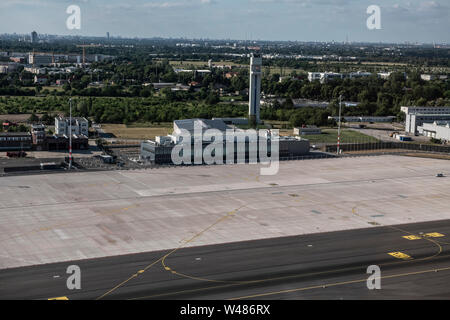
pixel 218 191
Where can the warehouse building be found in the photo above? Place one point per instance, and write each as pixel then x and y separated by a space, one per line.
pixel 413 121
pixel 437 130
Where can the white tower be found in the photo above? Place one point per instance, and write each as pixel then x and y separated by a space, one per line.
pixel 255 88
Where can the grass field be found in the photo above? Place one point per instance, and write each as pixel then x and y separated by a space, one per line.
pixel 347 136
pixel 138 131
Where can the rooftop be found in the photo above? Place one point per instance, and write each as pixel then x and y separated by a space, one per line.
pixel 205 124
pixel 15 134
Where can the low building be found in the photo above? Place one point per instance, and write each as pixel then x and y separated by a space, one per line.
pixel 437 130
pixel 8 67
pixel 80 126
pixel 357 75
pixel 305 103
pixel 431 77
pixel 413 121
pixel 18 59
pixel 40 79
pixel 162 85
pixel 15 141
pixel 425 110
pixel 61 143
pixel 314 76
pixel 384 75
pixel 364 119
pixel 35 70
pixel 350 103
pixel 308 130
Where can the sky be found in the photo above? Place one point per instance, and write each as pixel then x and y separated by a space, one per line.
pixel 302 20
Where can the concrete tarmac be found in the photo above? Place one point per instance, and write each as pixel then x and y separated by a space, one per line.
pixel 53 218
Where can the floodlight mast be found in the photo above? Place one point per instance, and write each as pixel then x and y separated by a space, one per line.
pixel 70 134
pixel 339 126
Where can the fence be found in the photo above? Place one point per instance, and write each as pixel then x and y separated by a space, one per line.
pixel 351 147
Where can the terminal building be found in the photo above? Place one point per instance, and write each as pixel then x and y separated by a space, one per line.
pixel 240 142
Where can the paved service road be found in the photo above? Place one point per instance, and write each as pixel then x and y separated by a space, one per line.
pixel 414 261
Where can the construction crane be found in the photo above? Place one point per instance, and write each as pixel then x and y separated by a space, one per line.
pixel 84 46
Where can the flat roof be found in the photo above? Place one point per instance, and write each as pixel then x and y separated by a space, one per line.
pixel 15 134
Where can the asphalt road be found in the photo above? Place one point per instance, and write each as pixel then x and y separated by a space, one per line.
pixel 318 266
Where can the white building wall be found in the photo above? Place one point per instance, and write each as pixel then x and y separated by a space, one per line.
pixel 80 126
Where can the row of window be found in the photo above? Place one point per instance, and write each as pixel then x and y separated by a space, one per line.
pixel 15 139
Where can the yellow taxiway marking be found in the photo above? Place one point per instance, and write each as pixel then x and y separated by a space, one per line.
pixel 59 298
pixel 433 235
pixel 400 255
pixel 426 235
pixel 413 237
pixel 339 283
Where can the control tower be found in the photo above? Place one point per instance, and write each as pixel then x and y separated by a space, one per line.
pixel 255 88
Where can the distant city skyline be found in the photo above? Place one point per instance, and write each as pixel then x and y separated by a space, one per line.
pixel 297 20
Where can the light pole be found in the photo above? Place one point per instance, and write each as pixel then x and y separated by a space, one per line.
pixel 339 126
pixel 70 134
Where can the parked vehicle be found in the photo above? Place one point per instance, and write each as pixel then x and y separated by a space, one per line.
pixel 16 154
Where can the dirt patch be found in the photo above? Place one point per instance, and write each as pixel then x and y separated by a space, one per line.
pixel 121 131
pixel 18 118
